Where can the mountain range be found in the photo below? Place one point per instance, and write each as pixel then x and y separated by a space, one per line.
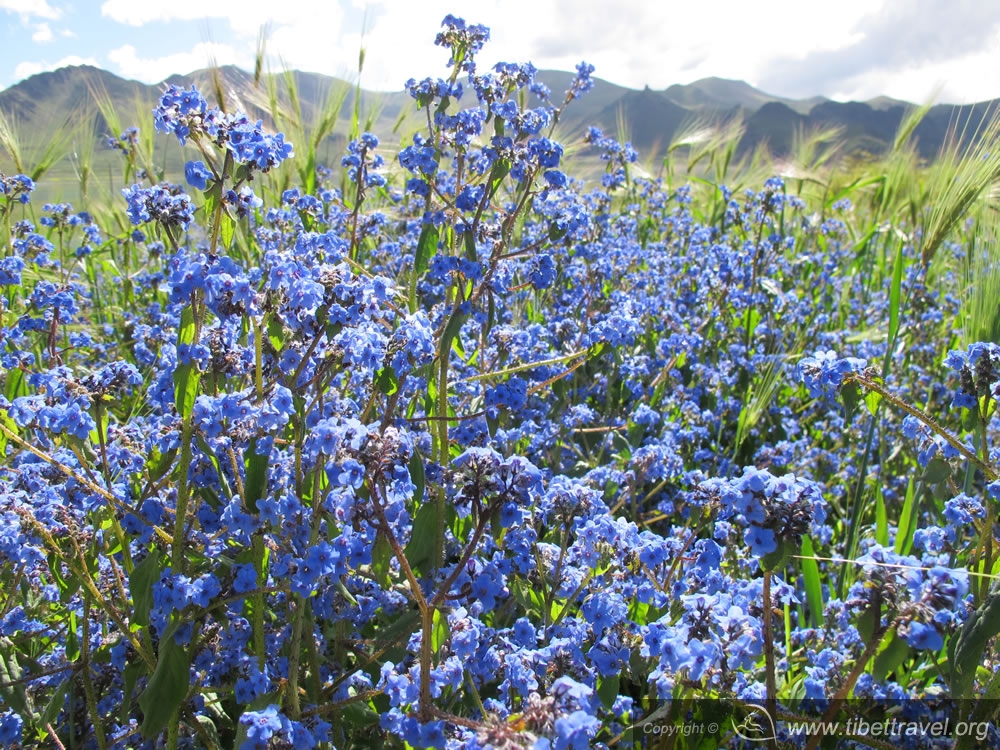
pixel 651 118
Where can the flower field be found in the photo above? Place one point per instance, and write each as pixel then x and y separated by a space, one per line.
pixel 442 446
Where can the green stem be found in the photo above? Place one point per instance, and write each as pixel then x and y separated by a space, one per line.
pixel 855 524
pixel 301 601
pixel 88 683
pixel 295 708
pixel 258 357
pixel 174 731
pixel 985 551
pixel 443 457
pixel 177 547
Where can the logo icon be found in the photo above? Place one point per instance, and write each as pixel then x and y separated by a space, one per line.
pixel 757 725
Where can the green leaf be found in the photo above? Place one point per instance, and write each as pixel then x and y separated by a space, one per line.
pixel 67 584
pixel 16 385
pixel 227 229
pixel 14 695
pixel 890 656
pixel 11 425
pixel 451 331
pixel 212 197
pixel 491 316
pixel 469 241
pixel 751 318
pixel 131 674
pixel 256 482
pixel 501 168
pixel 872 401
pixel 208 727
pixel 985 708
pixel 186 377
pixel 895 293
pixel 869 621
pixel 140 583
pixel 596 350
pixel 207 450
pixel 907 521
pixel 812 582
pixel 850 396
pixel 386 381
pixel 72 640
pixel 427 247
pixel 160 464
pixel 381 556
pixel 938 470
pixel 776 560
pixel 439 631
pixel 276 333
pixel 607 689
pixel 358 714
pixel 966 648
pixel 167 688
pixel 399 630
pixel 420 550
pixel 55 704
pixel 881 518
pixel 417 477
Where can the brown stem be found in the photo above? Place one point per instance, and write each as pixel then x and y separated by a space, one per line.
pixel 926 419
pixel 772 690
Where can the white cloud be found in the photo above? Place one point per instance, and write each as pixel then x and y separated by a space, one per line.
pixel 31 9
pixel 67 33
pixel 26 69
pixel 641 43
pixel 43 33
pixel 155 69
pixel 245 20
pixel 909 44
pixel 303 34
pixel 638 43
pixel 963 80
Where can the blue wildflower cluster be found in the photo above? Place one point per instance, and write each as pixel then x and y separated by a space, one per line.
pixel 16 188
pixel 165 204
pixel 470 454
pixel 361 161
pixel 186 114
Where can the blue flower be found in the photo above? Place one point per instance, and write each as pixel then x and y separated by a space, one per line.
pixel 760 540
pixel 197 174
pixel 11 726
pixel 702 656
pixel 925 637
pixel 574 732
pixel 160 203
pixel 262 726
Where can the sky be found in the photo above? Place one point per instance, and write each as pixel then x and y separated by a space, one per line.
pixel 914 50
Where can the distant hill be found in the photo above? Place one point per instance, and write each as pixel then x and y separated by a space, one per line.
pixel 714 94
pixel 651 118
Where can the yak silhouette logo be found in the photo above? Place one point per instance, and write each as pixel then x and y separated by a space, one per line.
pixel 757 725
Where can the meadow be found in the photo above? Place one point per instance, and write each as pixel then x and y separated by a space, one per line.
pixel 441 446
